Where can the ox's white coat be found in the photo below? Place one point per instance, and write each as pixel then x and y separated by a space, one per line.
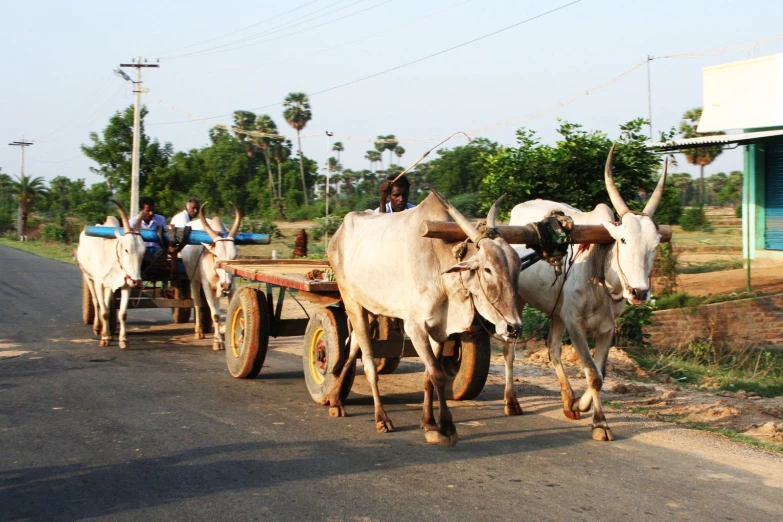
pixel 384 267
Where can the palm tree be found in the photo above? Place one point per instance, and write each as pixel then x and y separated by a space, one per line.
pixel 338 148
pixel 373 156
pixel 245 121
pixel 216 132
pixel 399 151
pixel 26 190
pixel 281 150
pixel 380 146
pixel 390 144
pixel 297 113
pixel 701 156
pixel 266 125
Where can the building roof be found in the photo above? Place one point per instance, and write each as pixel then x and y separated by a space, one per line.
pixel 718 139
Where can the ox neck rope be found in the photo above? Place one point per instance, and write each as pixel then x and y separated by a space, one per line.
pixel 229 238
pixel 119 259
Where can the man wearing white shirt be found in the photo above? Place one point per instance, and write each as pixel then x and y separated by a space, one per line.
pixel 149 221
pixel 394 196
pixel 190 213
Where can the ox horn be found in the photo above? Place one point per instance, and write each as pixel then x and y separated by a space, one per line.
pixel 652 204
pixel 125 222
pixel 237 220
pixel 493 211
pixel 458 218
pixel 208 229
pixel 614 194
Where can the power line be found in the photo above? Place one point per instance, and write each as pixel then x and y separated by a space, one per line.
pixel 444 51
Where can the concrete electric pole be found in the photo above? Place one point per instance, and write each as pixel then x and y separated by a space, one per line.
pixel 137 90
pixel 21 144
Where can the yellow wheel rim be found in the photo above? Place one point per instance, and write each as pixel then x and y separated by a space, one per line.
pixel 317 356
pixel 237 332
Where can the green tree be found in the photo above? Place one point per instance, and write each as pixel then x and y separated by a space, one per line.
pixel 683 182
pixel 244 121
pixel 281 150
pixel 731 192
pixel 390 143
pixel 27 190
pixel 373 156
pixel 112 152
pixel 338 148
pixel 297 113
pixel 265 125
pixel 458 170
pixel 701 156
pixel 399 151
pixel 380 146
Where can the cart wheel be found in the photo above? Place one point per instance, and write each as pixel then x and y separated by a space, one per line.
pixel 324 349
pixel 467 369
pixel 179 315
pixel 247 333
pixel 88 309
pixel 206 315
pixel 387 365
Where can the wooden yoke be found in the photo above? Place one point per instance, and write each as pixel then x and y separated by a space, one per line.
pixel 526 234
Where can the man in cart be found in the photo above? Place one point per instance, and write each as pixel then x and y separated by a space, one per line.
pixel 394 195
pixel 190 213
pixel 149 221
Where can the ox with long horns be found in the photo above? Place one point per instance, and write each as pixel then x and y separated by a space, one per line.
pixel 201 267
pixel 384 267
pixel 108 265
pixel 597 285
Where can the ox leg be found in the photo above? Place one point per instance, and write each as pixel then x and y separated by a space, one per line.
pixel 195 294
pixel 96 306
pixel 510 395
pixel 447 431
pixel 428 423
pixel 601 429
pixel 124 295
pixel 336 408
pixel 105 307
pixel 361 334
pixel 591 396
pixel 213 301
pixel 555 343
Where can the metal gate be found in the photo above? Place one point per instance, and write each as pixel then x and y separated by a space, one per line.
pixel 773 200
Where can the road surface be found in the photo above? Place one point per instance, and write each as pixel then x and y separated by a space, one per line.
pixel 160 431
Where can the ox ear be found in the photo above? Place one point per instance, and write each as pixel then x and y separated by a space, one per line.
pixel 208 245
pixel 613 229
pixel 117 233
pixel 462 266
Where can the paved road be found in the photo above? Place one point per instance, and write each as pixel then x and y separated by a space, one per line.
pixel 160 431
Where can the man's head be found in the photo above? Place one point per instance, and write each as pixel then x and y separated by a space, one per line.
pixel 398 197
pixel 147 208
pixel 192 206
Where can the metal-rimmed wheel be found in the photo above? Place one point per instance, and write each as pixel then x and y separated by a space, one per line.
pixel 467 369
pixel 247 333
pixel 325 352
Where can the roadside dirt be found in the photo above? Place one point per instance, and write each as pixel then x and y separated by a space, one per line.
pixel 767 279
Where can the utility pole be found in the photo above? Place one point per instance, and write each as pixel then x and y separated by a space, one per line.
pixel 328 167
pixel 137 90
pixel 649 95
pixel 21 144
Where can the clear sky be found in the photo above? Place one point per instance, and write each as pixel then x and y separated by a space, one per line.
pixel 217 57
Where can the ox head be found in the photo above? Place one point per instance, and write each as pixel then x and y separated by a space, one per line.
pixel 222 248
pixel 130 248
pixel 636 238
pixel 491 274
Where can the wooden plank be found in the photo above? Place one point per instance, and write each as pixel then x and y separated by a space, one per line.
pixel 526 234
pixel 288 273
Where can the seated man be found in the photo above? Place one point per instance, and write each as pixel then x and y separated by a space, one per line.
pixel 153 221
pixel 394 195
pixel 190 213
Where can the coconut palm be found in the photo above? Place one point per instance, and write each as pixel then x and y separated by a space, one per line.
pixel 27 190
pixel 701 156
pixel 373 156
pixel 297 113
pixel 281 150
pixel 245 121
pixel 266 125
pixel 390 143
pixel 399 151
pixel 338 148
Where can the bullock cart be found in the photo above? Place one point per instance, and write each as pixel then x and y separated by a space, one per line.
pixel 256 313
pixel 166 284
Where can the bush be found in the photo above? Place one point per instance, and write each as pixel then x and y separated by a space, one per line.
pixel 469 204
pixel 261 226
pixel 6 219
pixel 669 209
pixel 324 225
pixel 55 233
pixel 694 219
pixel 738 211
pixel 631 323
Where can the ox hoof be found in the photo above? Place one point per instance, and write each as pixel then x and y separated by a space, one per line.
pixel 199 335
pixel 513 408
pixel 448 441
pixel 123 345
pixel 96 331
pixel 573 415
pixel 218 347
pixel 432 437
pixel 602 434
pixel 384 426
pixel 336 411
pixel 103 342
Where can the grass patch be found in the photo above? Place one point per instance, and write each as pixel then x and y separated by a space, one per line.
pixel 51 250
pixel 684 300
pixel 735 436
pixel 710 266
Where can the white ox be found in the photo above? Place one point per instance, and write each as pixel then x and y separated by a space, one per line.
pixel 201 267
pixel 384 267
pixel 108 265
pixel 598 282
